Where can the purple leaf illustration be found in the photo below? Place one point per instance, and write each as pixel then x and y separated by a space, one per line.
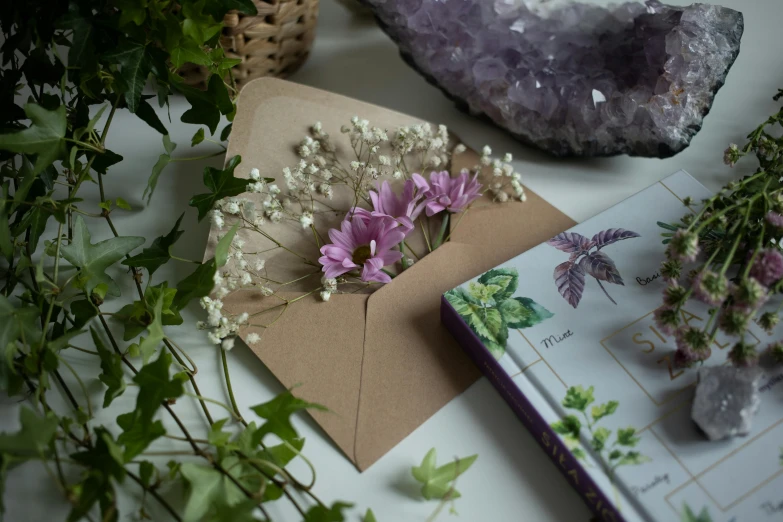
pixel 612 235
pixel 601 266
pixel 570 242
pixel 570 281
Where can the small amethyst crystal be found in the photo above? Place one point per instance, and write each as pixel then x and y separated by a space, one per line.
pixel 571 78
pixel 726 400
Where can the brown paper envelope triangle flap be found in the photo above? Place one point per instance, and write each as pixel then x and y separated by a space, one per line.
pixel 319 349
pixel 412 366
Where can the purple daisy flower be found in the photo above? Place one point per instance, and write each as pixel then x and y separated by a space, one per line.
pixel 405 208
pixel 364 246
pixel 446 193
pixel 767 266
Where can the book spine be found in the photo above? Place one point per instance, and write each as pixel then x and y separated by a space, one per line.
pixel 549 441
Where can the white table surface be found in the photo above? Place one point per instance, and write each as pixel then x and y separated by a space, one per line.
pixel 512 479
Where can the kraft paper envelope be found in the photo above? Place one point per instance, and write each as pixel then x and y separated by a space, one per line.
pixel 381 362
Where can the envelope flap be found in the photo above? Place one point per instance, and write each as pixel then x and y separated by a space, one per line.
pixel 412 366
pixel 319 348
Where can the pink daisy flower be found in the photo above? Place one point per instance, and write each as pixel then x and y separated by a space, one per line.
pixel 404 208
pixel 365 246
pixel 768 266
pixel 446 193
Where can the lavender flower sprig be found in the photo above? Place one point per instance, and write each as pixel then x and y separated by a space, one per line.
pixel 728 256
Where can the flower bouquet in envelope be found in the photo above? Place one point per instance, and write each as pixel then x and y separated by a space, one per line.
pixel 348 223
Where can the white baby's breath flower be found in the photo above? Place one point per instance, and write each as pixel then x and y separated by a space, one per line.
pixel 306 219
pixel 502 196
pixel 486 151
pixel 325 295
pixel 459 149
pixel 253 338
pixel 222 292
pixel 255 175
pixel 201 325
pixel 497 172
pixel 246 279
pixel 274 189
pixel 486 161
pixel 232 207
pixel 355 165
pixel 275 216
pixel 304 151
pixel 242 318
pixel 266 291
pixel 256 188
pixel 508 158
pixel 330 284
pixel 213 338
pixel 326 174
pixel 384 160
pixel 409 261
pixel 435 161
pixel 242 264
pixel 227 343
pixel 397 174
pixel 260 265
pixel 216 217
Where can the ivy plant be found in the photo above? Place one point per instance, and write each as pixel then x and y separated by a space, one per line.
pixel 68 69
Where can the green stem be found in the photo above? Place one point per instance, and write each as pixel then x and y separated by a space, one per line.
pixel 388 273
pixel 444 226
pixel 403 260
pixel 198 158
pixel 230 389
pixel 81 384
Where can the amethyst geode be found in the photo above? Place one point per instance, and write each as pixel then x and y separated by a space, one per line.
pixel 570 78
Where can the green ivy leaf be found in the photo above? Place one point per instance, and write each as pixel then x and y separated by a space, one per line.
pixel 523 312
pixel 207 488
pixel 102 162
pixel 627 437
pixel 222 184
pixel 158 253
pixel 206 107
pixel 155 386
pixel 569 426
pixel 105 456
pixel 217 437
pixel 146 472
pixel 327 514
pixel 369 516
pixel 602 410
pixel 135 64
pixel 505 278
pixel 189 51
pixel 149 345
pixel 149 116
pixel 615 454
pixel 137 435
pixel 163 160
pixel 226 132
pixel 82 310
pixel 224 245
pixel 198 284
pixel 218 8
pixel 198 137
pixel 93 259
pixel 277 414
pixel 45 136
pixel 33 438
pixel 578 453
pixel 600 436
pixel 16 323
pixel 111 370
pixel 577 398
pixel 437 481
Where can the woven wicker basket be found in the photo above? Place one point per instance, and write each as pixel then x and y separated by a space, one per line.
pixel 275 42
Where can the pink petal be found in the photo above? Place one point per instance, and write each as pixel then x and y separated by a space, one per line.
pixel 390 257
pixel 420 182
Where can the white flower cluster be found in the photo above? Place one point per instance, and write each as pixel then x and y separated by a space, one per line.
pixel 504 177
pixel 303 192
pixel 222 329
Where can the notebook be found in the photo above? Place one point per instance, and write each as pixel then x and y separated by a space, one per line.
pixel 580 361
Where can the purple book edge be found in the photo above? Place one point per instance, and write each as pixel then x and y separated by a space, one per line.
pixel 548 440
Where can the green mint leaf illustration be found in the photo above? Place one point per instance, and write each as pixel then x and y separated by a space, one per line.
pixel 505 278
pixel 600 436
pixel 626 437
pixel 577 398
pixel 523 312
pixel 602 410
pixel 437 482
pixel 689 516
pixel 633 458
pixel 369 516
pixel 579 453
pixel 615 454
pixel 94 259
pixel 487 323
pixel 569 426
pixel 483 293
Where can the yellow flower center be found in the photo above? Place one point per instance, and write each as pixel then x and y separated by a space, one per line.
pixel 361 254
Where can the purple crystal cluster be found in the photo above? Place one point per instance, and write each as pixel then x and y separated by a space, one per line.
pixel 571 78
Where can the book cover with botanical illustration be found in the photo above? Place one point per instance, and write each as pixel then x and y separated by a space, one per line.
pixel 570 322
